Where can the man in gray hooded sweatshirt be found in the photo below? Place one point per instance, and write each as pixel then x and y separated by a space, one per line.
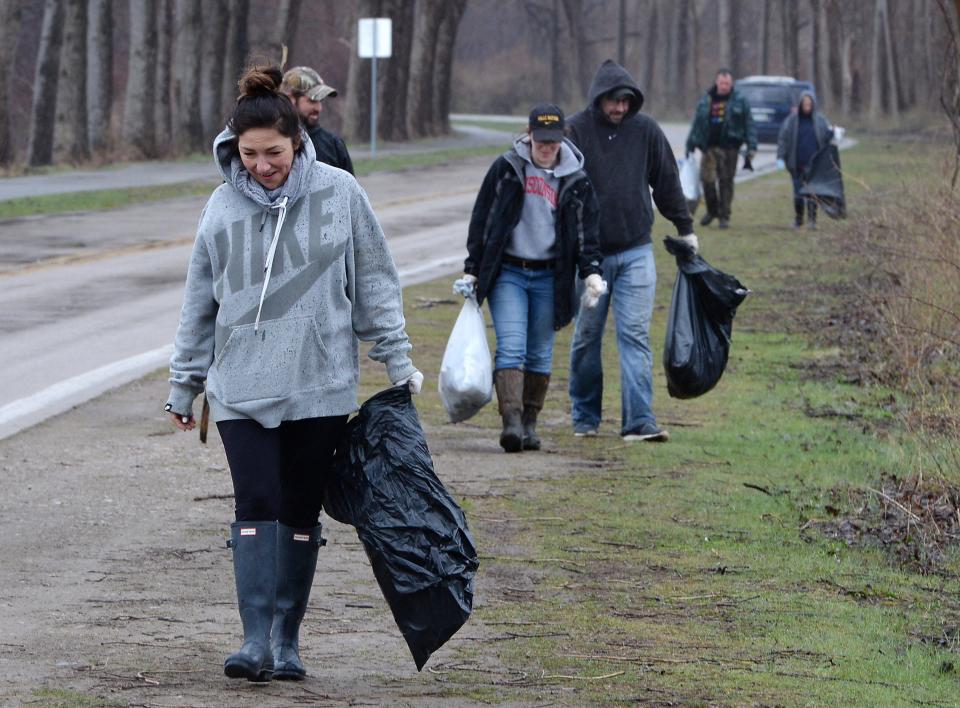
pixel 626 155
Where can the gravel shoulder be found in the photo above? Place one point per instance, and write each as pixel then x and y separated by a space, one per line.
pixel 116 586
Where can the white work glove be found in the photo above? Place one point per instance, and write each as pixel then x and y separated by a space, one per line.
pixel 466 286
pixel 781 165
pixel 691 240
pixel 414 382
pixel 596 287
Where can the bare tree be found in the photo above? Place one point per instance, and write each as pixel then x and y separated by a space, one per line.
pixel 391 99
pixel 235 51
pixel 70 122
pixel 357 117
pixel 287 13
pixel 443 64
pixel 187 125
pixel 99 73
pixel 725 32
pixel 139 130
pixel 950 88
pixel 765 36
pixel 883 75
pixel 427 20
pixel 211 70
pixel 162 114
pixel 790 24
pixel 9 23
pixel 40 145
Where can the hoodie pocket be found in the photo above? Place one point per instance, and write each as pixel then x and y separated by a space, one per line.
pixel 282 358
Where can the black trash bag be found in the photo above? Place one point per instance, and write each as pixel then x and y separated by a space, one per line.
pixel 823 181
pixel 700 323
pixel 415 535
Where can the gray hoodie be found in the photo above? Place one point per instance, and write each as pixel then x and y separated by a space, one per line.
pixel 535 234
pixel 280 288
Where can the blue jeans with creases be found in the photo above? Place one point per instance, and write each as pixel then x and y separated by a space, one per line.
pixel 521 304
pixel 632 280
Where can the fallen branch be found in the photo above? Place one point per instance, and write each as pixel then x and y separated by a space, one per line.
pixel 900 506
pixel 581 678
pixel 766 491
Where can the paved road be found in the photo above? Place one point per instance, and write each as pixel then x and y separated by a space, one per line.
pixel 90 301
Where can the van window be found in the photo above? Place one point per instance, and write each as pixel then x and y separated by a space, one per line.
pixel 766 95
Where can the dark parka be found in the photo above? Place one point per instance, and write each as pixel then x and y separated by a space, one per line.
pixel 787 139
pixel 331 150
pixel 738 127
pixel 497 212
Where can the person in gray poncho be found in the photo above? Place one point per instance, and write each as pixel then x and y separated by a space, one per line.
pixel 290 269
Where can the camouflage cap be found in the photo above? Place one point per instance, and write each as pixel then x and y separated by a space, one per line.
pixel 304 81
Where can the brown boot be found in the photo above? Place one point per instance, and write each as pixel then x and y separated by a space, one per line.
pixel 509 383
pixel 534 392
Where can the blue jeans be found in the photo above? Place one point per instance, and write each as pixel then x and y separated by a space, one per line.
pixel 521 304
pixel 632 279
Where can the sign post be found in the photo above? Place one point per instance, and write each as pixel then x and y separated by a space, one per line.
pixel 374 41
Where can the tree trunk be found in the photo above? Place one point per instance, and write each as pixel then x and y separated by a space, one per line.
pixel 428 16
pixel 791 40
pixel 99 74
pixel 70 124
pixel 622 33
pixel 187 125
pixel 163 115
pixel 9 30
pixel 235 53
pixel 650 64
pixel 286 15
pixel 139 130
pixel 212 116
pixel 443 64
pixel 357 110
pixel 765 36
pixel 583 72
pixel 391 97
pixel 684 89
pixel 834 50
pixel 815 75
pixel 883 78
pixel 725 34
pixel 847 75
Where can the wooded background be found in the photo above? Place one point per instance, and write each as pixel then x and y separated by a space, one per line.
pixel 106 79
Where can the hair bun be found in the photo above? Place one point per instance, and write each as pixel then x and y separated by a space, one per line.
pixel 260 81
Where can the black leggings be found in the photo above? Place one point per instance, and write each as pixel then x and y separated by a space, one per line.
pixel 279 473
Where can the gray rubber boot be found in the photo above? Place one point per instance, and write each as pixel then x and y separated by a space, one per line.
pixel 296 564
pixel 254 545
pixel 509 384
pixel 534 392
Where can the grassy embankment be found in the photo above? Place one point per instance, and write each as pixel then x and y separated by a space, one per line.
pixel 101 200
pixel 694 571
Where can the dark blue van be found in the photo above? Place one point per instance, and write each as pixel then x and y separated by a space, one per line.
pixel 772 99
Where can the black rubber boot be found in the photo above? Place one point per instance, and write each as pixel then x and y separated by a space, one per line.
pixel 797 212
pixel 254 546
pixel 509 384
pixel 812 214
pixel 711 201
pixel 534 392
pixel 296 564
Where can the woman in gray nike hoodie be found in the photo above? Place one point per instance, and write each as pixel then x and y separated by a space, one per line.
pixel 290 269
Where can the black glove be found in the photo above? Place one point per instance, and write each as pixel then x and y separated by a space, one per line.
pixel 748 162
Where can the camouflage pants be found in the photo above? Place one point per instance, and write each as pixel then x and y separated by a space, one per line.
pixel 717 169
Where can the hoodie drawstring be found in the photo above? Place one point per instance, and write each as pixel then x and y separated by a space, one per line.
pixel 268 267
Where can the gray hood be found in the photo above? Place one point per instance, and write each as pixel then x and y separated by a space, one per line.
pixel 235 174
pixel 571 159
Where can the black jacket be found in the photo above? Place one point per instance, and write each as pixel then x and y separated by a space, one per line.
pixel 624 162
pixel 496 213
pixel 331 150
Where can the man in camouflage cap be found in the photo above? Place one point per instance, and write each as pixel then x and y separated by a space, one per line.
pixel 307 90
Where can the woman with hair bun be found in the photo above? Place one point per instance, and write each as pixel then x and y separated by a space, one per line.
pixel 289 270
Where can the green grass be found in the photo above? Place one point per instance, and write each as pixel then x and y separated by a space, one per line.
pixel 101 200
pixel 62 698
pixel 671 580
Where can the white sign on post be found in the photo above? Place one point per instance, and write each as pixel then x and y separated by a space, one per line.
pixel 374 41
pixel 375 38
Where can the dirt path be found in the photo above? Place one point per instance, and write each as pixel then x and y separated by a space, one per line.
pixel 115 583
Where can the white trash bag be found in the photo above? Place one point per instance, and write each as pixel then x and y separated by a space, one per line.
pixel 690 182
pixel 466 372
